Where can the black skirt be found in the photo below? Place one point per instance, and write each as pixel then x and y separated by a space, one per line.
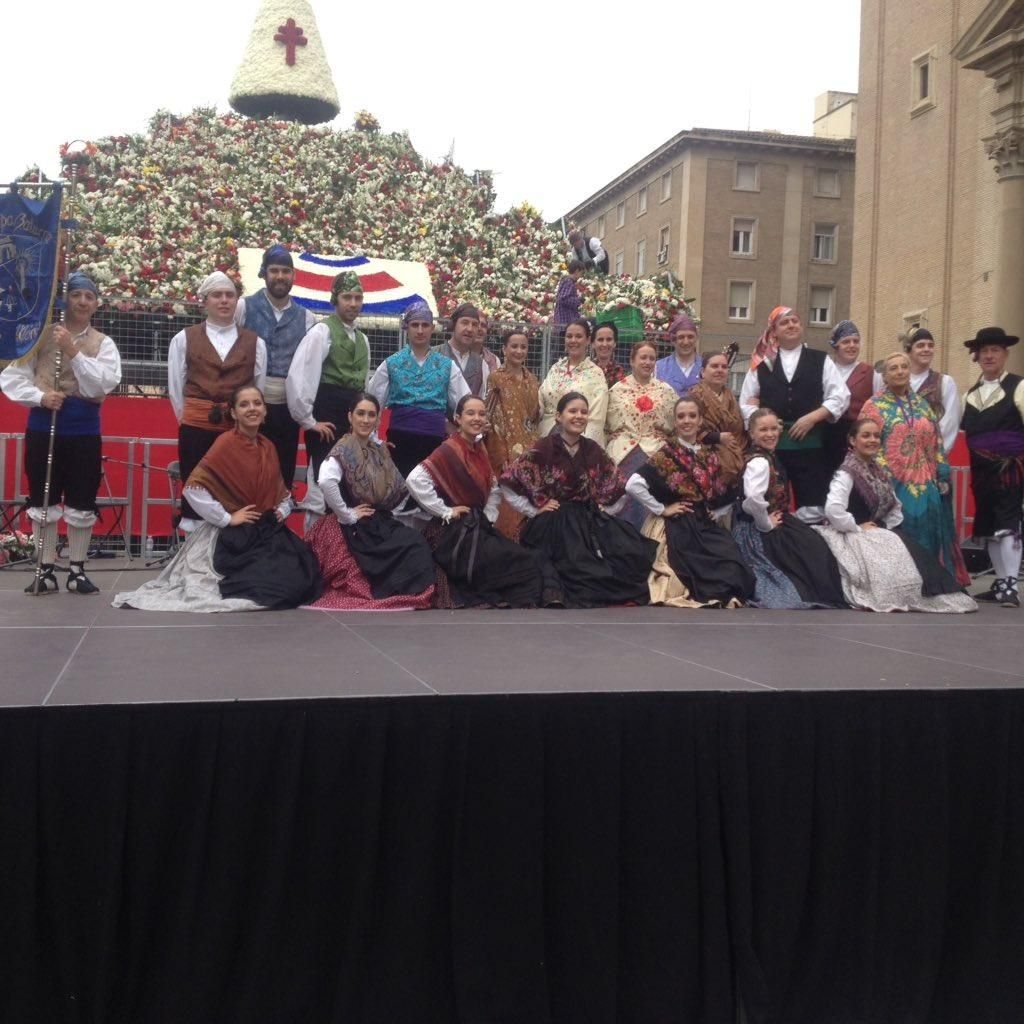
pixel 802 554
pixel 266 563
pixel 590 558
pixel 706 559
pixel 935 578
pixel 483 567
pixel 395 558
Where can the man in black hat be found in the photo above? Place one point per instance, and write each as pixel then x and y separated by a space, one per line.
pixel 993 421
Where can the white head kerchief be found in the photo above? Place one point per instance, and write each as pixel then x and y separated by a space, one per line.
pixel 218 279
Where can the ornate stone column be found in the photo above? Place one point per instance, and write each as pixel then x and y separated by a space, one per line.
pixel 1006 148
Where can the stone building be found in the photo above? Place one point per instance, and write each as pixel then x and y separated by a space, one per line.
pixel 939 219
pixel 747 220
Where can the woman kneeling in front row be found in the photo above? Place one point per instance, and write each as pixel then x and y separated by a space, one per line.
pixel 456 486
pixel 570 491
pixel 698 563
pixel 792 563
pixel 371 561
pixel 242 557
pixel 883 568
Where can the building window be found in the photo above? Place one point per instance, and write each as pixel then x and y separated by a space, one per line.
pixel 823 248
pixel 826 182
pixel 821 305
pixel 922 83
pixel 742 236
pixel 620 215
pixel 748 178
pixel 641 201
pixel 641 256
pixel 600 226
pixel 663 240
pixel 666 186
pixel 620 262
pixel 741 300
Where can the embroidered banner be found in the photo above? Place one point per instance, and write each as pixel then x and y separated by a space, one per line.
pixel 29 237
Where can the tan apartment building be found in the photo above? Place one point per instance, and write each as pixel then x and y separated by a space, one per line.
pixel 747 220
pixel 939 219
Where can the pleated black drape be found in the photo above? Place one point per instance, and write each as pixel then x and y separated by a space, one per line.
pixel 847 857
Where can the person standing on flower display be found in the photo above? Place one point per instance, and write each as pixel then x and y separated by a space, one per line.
pixel 206 363
pixel 90 370
pixel 682 368
pixel 994 424
pixel 282 324
pixel 418 385
pixel 328 370
pixel 804 389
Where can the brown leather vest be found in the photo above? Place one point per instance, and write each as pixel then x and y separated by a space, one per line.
pixel 210 378
pixel 46 362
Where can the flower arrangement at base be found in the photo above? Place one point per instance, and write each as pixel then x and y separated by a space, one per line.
pixel 160 211
pixel 16 547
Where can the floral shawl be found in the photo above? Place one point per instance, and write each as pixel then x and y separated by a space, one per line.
pixel 613 372
pixel 370 477
pixel 461 472
pixel 240 471
pixel 548 471
pixel 514 409
pixel 911 449
pixel 588 379
pixel 678 473
pixel 777 494
pixel 638 414
pixel 872 485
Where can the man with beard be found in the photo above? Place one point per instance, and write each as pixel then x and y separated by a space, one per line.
pixel 282 324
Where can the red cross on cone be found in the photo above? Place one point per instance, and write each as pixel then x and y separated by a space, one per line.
pixel 284 72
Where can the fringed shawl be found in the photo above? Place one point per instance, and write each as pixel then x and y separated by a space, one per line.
pixel 370 477
pixel 549 471
pixel 238 471
pixel 872 484
pixel 461 472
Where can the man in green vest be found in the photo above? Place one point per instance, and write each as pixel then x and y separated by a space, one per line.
pixel 329 368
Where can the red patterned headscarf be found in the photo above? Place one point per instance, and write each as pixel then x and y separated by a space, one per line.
pixel 767 345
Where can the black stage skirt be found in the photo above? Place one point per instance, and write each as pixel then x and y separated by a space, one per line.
pixel 802 554
pixel 266 563
pixel 706 559
pixel 411 449
pixel 590 558
pixel 483 567
pixel 935 578
pixel 331 405
pixel 395 558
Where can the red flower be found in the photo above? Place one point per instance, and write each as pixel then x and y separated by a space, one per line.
pixel 645 403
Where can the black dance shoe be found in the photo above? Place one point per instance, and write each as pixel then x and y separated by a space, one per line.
pixel 47 582
pixel 78 582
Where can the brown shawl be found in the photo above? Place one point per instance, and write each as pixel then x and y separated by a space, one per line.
pixel 239 472
pixel 722 415
pixel 461 472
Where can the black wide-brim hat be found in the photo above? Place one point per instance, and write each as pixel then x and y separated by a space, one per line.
pixel 991 336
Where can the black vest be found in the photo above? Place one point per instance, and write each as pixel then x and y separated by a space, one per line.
pixel 790 400
pixel 1004 415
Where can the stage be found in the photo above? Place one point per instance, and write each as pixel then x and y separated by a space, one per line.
pixel 620 816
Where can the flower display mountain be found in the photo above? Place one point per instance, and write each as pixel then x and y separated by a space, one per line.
pixel 160 211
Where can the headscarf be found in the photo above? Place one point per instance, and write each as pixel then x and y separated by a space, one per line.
pixel 767 345
pixel 418 312
pixel 79 282
pixel 277 256
pixel 465 309
pixel 346 281
pixel 843 329
pixel 218 279
pixel 682 322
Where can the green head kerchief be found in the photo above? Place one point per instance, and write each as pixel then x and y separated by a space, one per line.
pixel 346 281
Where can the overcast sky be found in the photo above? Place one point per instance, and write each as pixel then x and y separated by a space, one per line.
pixel 555 98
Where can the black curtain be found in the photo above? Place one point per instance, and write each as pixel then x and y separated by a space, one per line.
pixel 848 857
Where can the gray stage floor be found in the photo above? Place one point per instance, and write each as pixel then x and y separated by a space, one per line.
pixel 64 649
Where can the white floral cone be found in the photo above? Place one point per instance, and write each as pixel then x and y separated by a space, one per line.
pixel 284 72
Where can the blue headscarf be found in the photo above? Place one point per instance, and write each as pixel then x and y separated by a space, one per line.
pixel 843 329
pixel 418 311
pixel 79 282
pixel 278 256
